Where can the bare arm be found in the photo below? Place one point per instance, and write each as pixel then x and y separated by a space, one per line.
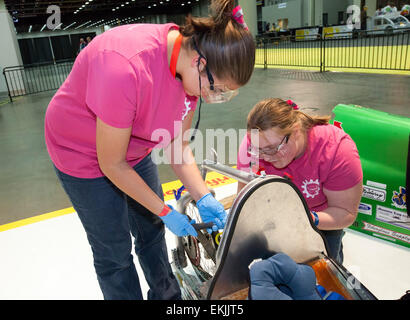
pixel 342 208
pixel 186 170
pixel 112 145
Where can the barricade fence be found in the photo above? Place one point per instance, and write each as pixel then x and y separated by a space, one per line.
pixel 35 78
pixel 377 50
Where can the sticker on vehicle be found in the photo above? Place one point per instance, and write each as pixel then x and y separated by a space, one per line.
pixel 365 208
pixel 399 198
pixel 374 193
pixel 394 217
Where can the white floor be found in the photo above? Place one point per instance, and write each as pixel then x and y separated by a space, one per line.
pixel 51 259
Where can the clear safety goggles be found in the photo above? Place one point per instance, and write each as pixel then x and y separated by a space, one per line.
pixel 220 93
pixel 214 93
pixel 268 151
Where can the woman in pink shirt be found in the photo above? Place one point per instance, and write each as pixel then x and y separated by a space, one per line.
pixel 127 84
pixel 321 160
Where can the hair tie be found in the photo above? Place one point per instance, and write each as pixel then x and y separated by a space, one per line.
pixel 237 15
pixel 292 104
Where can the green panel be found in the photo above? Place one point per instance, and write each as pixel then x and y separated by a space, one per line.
pixel 383 143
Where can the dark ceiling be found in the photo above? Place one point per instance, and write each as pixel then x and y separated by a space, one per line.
pixel 33 13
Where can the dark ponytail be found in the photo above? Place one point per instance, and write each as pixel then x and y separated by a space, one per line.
pixel 227 46
pixel 221 12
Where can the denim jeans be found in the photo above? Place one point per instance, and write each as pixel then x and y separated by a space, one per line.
pixel 335 245
pixel 109 218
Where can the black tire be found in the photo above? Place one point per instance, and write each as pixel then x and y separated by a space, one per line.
pixel 388 31
pixel 201 262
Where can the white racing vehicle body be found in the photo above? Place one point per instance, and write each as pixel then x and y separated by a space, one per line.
pixel 389 23
pixel 268 216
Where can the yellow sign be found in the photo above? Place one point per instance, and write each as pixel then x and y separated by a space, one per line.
pixel 213 180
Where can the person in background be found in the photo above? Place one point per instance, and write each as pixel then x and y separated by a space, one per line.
pixel 88 39
pixel 393 6
pixel 405 11
pixel 363 18
pixel 133 81
pixel 83 44
pixel 321 160
pixel 273 29
pixel 389 9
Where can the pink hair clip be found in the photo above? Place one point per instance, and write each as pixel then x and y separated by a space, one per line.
pixel 292 104
pixel 237 14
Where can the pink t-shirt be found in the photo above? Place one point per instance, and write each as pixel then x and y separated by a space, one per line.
pixel 123 78
pixel 331 161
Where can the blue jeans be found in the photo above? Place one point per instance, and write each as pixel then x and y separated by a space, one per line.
pixel 335 245
pixel 109 218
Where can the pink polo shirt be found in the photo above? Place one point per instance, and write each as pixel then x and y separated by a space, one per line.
pixel 123 78
pixel 331 161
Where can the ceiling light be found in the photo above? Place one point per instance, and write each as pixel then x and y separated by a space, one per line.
pixel 83 24
pixel 69 25
pixel 58 27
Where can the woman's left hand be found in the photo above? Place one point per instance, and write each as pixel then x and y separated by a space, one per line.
pixel 211 210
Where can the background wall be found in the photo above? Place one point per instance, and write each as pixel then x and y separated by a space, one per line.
pixel 292 12
pixel 48 46
pixel 303 13
pixel 250 15
pixel 9 52
pixel 332 8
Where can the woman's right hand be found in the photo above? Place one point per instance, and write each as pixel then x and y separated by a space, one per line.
pixel 178 223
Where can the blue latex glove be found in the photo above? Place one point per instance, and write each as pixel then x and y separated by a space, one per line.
pixel 179 223
pixel 211 210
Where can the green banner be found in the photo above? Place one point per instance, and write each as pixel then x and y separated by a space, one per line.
pixel 383 143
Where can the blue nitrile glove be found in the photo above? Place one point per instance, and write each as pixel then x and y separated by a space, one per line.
pixel 211 210
pixel 179 223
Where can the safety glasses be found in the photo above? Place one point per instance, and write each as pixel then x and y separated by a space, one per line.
pixel 269 151
pixel 220 93
pixel 214 93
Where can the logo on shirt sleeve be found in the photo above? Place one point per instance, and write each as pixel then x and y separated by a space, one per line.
pixel 187 108
pixel 311 188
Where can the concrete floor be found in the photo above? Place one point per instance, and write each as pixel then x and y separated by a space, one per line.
pixel 29 187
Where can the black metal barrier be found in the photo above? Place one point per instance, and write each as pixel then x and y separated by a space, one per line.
pixel 35 78
pixel 378 50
